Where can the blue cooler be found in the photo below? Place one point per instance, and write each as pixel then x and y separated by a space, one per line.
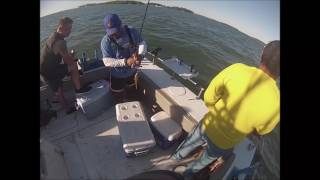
pixel 94 102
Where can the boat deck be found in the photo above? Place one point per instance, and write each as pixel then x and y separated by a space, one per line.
pixel 93 148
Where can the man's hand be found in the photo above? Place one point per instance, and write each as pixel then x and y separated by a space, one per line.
pixel 130 61
pixel 68 59
pixel 134 59
pixel 216 164
pixel 72 53
pixel 136 56
pixel 255 135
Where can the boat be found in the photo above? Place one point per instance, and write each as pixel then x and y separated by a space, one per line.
pixel 73 147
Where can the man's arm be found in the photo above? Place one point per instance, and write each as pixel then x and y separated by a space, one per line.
pixel 113 62
pixel 269 123
pixel 215 89
pixel 61 48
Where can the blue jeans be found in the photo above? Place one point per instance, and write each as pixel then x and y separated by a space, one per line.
pixel 195 139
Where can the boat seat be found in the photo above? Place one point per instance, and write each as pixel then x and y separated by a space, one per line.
pixel 181 104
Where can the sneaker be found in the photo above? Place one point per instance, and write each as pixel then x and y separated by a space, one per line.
pixel 167 162
pixel 180 169
pixel 83 89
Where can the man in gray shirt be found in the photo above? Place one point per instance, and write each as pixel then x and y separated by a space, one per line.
pixel 51 66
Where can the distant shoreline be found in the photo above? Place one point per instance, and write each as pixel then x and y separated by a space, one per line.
pixel 139 3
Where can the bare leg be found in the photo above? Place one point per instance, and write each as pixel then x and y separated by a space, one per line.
pixel 74 72
pixel 62 99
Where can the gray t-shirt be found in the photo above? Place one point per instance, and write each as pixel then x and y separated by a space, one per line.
pixel 60 47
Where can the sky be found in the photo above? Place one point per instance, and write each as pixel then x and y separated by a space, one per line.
pixel 257 18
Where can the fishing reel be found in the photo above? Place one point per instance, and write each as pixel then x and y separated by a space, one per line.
pixel 138 55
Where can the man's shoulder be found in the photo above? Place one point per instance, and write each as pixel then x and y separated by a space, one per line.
pixel 51 35
pixel 236 70
pixel 133 30
pixel 60 45
pixel 240 65
pixel 235 66
pixel 60 42
pixel 54 38
pixel 105 38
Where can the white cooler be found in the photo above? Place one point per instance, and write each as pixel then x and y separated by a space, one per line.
pixel 134 129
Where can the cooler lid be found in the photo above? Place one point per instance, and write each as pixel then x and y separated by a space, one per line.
pixel 167 127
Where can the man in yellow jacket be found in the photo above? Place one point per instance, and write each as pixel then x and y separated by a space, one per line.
pixel 241 100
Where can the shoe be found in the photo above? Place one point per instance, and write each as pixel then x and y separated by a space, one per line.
pixel 83 89
pixel 167 162
pixel 180 169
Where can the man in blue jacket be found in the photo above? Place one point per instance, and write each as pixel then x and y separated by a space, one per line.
pixel 119 49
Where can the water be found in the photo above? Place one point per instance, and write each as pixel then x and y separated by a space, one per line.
pixel 209 45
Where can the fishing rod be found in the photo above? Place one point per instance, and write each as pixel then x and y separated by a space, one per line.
pixel 145 14
pixel 155 52
pixel 140 49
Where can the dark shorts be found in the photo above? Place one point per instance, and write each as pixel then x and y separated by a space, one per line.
pixel 121 83
pixel 54 77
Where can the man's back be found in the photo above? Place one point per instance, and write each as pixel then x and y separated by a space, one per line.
pixel 240 99
pixel 51 52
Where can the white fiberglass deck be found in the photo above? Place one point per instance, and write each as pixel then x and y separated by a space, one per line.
pixel 93 149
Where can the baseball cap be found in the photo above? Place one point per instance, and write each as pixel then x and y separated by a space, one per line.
pixel 112 24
